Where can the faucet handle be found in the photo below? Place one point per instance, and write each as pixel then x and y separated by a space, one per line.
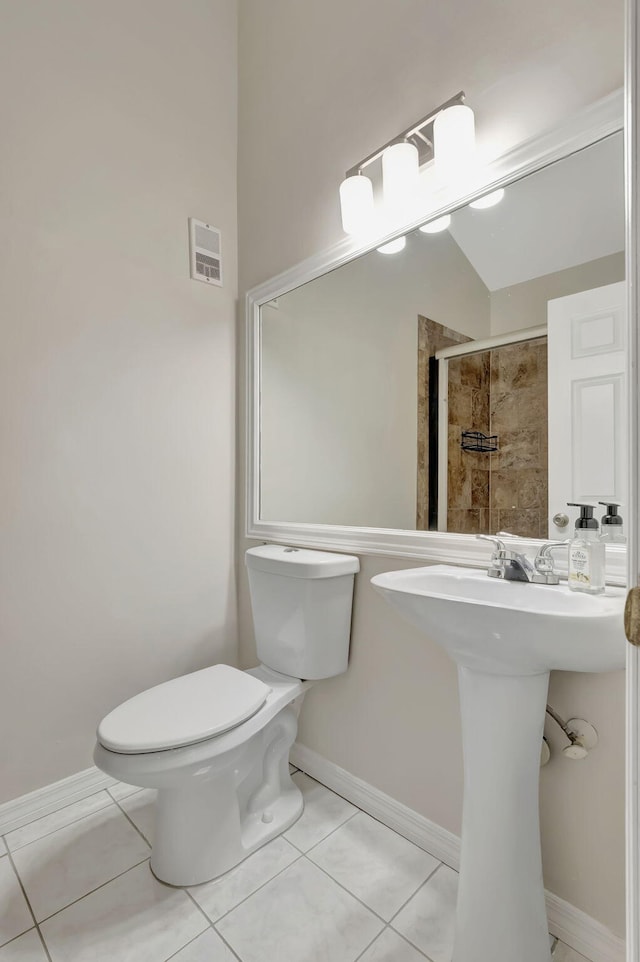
pixel 499 544
pixel 543 562
pixel 497 564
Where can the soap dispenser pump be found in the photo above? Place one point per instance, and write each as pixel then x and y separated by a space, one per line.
pixel 612 526
pixel 586 553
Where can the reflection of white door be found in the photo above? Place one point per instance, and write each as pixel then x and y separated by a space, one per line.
pixel 587 414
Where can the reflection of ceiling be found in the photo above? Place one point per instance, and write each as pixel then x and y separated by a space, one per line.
pixel 564 215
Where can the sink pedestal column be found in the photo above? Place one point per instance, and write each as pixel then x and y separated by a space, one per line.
pixel 501 909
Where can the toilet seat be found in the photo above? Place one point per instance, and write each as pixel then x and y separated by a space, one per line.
pixel 183 711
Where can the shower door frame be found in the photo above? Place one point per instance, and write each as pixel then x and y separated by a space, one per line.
pixel 443 357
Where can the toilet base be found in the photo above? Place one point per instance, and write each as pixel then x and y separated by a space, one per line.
pixel 206 826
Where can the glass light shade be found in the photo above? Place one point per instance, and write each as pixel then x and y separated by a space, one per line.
pixel 394 246
pixel 436 225
pixel 454 141
pixel 489 200
pixel 400 175
pixel 356 204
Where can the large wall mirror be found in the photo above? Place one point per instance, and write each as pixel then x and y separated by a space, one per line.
pixel 472 382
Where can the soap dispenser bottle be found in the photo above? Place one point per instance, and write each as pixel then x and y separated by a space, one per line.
pixel 612 526
pixel 586 553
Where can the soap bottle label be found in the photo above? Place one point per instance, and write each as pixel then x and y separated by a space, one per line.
pixel 579 567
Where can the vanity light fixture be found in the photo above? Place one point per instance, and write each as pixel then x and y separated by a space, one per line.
pixel 400 174
pixel 394 246
pixel 356 202
pixel 454 141
pixel 445 136
pixel 435 226
pixel 489 200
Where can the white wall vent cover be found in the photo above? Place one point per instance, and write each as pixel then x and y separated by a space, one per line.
pixel 205 251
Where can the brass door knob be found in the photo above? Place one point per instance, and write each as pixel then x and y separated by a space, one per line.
pixel 632 617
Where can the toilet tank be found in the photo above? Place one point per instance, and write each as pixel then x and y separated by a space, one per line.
pixel 301 603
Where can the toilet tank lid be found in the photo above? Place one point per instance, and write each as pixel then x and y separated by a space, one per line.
pixel 300 562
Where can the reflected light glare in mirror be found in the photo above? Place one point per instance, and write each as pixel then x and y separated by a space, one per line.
pixel 454 141
pixel 356 203
pixel 489 200
pixel 394 246
pixel 436 225
pixel 400 174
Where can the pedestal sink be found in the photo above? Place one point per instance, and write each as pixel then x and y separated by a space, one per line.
pixel 505 637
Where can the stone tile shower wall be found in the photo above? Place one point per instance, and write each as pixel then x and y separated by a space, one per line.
pixel 468 479
pixel 519 470
pixel 502 392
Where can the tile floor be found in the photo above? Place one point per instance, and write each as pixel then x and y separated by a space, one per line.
pixel 75 886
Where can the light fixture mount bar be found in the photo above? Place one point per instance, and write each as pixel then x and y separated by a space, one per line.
pixel 420 134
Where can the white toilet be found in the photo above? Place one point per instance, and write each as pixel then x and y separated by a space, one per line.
pixel 216 743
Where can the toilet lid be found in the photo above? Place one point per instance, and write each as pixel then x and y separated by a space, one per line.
pixel 183 711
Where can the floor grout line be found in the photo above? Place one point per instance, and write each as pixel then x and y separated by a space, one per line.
pixel 401 937
pixel 407 900
pixel 369 944
pixel 186 945
pixel 328 835
pixel 33 928
pixel 124 797
pixel 196 937
pixel 23 890
pixel 412 944
pixel 406 940
pixel 214 924
pixel 228 944
pixel 129 819
pixel 91 891
pixel 413 895
pixel 15 937
pixel 30 907
pixel 44 944
pixel 202 913
pixel 349 892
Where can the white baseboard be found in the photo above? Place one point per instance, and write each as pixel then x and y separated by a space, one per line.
pixel 572 926
pixel 51 798
pixel 584 934
pixel 443 845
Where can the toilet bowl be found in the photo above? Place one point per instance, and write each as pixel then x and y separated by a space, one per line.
pixel 215 743
pixel 219 797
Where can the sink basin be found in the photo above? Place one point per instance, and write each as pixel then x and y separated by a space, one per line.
pixel 505 637
pixel 509 627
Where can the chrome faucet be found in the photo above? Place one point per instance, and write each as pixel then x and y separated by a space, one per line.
pixel 512 565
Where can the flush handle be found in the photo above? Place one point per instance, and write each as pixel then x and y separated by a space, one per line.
pixel 632 617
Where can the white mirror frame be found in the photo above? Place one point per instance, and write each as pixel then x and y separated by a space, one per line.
pixel 590 125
